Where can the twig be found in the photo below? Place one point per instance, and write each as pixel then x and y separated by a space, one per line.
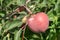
pixel 19 9
pixel 24 27
pixel 27 1
pixel 28 10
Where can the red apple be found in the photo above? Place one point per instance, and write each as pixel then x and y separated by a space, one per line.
pixel 38 22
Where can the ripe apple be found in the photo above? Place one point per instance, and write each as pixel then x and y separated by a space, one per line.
pixel 38 22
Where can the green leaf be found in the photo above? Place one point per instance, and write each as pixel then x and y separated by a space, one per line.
pixel 57 6
pixel 43 4
pixel 13 24
pixel 17 35
pixel 6 3
pixel 21 2
pixel 35 36
pixel 1 2
pixel 5 38
pixel 2 15
pixel 51 15
pixel 0 29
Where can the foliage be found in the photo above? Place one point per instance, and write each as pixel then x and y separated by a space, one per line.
pixel 10 25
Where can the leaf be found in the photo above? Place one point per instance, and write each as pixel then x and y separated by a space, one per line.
pixel 35 36
pixel 51 15
pixel 6 3
pixel 2 15
pixel 0 29
pixel 1 2
pixel 57 6
pixel 13 24
pixel 21 2
pixel 17 35
pixel 43 4
pixel 5 38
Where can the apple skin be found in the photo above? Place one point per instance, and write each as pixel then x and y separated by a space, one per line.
pixel 38 22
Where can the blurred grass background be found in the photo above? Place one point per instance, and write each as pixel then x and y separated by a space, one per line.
pixel 12 24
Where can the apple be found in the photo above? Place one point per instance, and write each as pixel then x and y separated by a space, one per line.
pixel 38 22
